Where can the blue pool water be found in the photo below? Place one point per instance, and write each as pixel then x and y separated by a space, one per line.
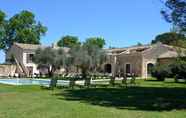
pixel 25 81
pixel 45 82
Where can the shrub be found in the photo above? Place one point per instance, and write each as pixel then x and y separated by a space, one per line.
pixel 179 69
pixel 175 70
pixel 161 72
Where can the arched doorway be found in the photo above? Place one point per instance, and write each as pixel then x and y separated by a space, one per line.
pixel 150 67
pixel 108 68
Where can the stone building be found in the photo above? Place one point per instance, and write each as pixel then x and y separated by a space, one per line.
pixel 7 70
pixel 138 59
pixel 23 57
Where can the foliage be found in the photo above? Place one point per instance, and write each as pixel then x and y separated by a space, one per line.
pixel 161 72
pixel 50 58
pixel 171 38
pixel 2 27
pixel 68 41
pixel 88 58
pixel 21 28
pixel 175 13
pixel 139 44
pixel 98 41
pixel 176 69
pixel 179 69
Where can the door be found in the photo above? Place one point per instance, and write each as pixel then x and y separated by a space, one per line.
pixel 128 68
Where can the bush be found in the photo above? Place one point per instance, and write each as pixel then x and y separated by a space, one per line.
pixel 161 72
pixel 179 70
pixel 175 70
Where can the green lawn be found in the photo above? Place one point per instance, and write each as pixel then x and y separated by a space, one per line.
pixel 150 99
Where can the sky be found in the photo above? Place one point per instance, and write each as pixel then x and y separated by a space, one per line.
pixel 121 23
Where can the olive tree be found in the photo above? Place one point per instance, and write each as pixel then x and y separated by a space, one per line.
pixel 50 58
pixel 88 58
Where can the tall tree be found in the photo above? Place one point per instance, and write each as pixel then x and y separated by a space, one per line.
pixel 98 41
pixel 2 27
pixel 171 38
pixel 175 13
pixel 21 28
pixel 68 41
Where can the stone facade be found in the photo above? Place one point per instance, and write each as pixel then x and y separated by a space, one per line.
pixel 7 70
pixel 140 59
pixel 20 53
pixel 23 57
pixel 136 59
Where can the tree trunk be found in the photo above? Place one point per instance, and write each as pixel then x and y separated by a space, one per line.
pixel 112 80
pixel 72 82
pixel 87 79
pixel 53 81
pixel 50 73
pixel 124 80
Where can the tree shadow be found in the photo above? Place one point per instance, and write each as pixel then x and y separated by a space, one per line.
pixel 134 98
pixel 152 80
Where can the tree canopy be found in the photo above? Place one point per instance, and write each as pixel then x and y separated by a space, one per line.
pixel 2 17
pixel 98 41
pixel 175 13
pixel 171 38
pixel 21 28
pixel 88 58
pixel 50 58
pixel 68 41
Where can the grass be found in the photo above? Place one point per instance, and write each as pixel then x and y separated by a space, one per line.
pixel 150 99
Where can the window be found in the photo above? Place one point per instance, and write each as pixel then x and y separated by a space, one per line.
pixel 29 58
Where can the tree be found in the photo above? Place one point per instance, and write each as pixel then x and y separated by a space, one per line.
pixel 2 16
pixel 50 58
pixel 139 44
pixel 175 13
pixel 68 41
pixel 21 28
pixel 88 58
pixel 161 72
pixel 178 68
pixel 98 41
pixel 171 38
pixel 2 27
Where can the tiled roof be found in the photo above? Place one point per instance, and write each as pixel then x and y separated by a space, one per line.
pixel 120 50
pixel 172 54
pixel 169 54
pixel 29 46
pixel 36 46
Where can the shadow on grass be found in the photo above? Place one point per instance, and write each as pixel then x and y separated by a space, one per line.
pixel 134 98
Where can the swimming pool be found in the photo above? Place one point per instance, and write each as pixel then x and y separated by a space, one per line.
pixel 25 81
pixel 45 82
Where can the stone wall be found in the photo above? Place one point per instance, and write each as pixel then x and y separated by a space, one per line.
pixel 163 61
pixel 150 56
pixel 7 70
pixel 134 59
